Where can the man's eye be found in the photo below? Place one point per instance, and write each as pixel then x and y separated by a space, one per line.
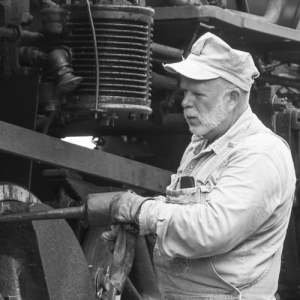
pixel 198 94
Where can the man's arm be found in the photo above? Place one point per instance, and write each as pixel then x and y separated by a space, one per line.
pixel 246 195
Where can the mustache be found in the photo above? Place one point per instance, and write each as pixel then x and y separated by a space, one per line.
pixel 191 113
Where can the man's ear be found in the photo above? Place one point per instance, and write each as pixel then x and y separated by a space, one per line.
pixel 234 96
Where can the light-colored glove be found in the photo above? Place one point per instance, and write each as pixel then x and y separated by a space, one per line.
pixel 125 207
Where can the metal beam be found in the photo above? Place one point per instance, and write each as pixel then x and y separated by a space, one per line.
pixel 32 145
pixel 214 15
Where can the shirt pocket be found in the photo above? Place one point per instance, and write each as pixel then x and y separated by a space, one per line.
pixel 188 196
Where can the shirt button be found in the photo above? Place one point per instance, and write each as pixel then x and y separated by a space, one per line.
pixel 235 293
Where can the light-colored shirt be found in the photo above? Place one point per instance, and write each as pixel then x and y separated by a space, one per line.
pixel 237 214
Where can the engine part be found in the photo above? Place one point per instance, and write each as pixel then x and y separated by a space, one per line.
pixel 94 211
pixel 123 34
pixel 31 56
pixel 58 62
pixel 49 98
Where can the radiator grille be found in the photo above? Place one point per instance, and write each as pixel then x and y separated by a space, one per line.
pixel 123 40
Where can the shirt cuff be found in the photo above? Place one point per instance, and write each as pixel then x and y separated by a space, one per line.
pixel 143 218
pixel 149 215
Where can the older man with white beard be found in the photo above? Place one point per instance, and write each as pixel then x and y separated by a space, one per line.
pixel 220 229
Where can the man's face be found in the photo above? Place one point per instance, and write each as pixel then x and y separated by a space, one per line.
pixel 204 106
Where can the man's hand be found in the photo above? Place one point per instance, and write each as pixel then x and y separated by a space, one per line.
pixel 125 207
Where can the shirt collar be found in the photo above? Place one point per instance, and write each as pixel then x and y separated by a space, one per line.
pixel 229 139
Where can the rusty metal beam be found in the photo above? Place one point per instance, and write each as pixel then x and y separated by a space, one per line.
pixel 32 145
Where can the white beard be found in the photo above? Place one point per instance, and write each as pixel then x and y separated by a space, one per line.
pixel 208 120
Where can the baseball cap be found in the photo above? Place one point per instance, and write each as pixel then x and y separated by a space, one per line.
pixel 212 58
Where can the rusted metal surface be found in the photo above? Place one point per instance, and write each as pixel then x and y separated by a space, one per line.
pixel 39 260
pixel 20 263
pixel 9 191
pixel 22 142
pixel 21 273
pixel 64 264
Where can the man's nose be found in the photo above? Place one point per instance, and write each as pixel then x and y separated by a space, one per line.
pixel 187 100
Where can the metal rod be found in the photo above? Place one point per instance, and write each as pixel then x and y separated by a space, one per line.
pixel 61 213
pixel 166 82
pixel 8 33
pixel 96 58
pixel 169 52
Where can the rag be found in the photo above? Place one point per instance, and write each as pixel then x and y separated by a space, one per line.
pixel 121 240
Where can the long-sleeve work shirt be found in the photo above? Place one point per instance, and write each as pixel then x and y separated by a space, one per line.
pixel 237 213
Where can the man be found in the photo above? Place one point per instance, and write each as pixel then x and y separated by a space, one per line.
pixel 220 229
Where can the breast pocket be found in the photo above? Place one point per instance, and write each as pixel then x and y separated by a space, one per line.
pixel 187 196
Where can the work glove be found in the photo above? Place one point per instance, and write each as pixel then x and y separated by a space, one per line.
pixel 125 207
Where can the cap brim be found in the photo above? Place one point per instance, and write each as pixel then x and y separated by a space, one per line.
pixel 191 70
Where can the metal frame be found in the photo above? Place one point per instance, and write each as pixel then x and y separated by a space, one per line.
pixel 39 147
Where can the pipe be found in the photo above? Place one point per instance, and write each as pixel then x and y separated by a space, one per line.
pixel 8 33
pixel 283 81
pixel 53 214
pixel 169 52
pixel 272 14
pixel 59 65
pixel 164 82
pixel 32 37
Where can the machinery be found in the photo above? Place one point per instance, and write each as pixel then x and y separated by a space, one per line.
pixel 94 68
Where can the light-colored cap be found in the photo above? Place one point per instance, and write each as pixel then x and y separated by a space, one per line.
pixel 211 58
